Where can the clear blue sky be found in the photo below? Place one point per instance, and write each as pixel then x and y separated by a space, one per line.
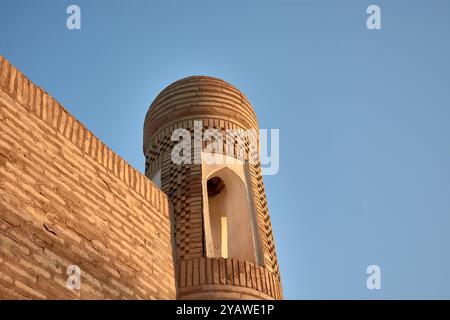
pixel 363 116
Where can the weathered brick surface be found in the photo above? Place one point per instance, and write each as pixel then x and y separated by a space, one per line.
pixel 201 277
pixel 66 198
pixel 219 105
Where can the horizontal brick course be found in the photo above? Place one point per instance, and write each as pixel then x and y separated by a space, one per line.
pixel 66 198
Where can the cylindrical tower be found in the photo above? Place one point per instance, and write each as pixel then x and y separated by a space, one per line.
pixel 199 145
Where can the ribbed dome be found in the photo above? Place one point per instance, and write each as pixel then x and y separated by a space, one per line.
pixel 199 97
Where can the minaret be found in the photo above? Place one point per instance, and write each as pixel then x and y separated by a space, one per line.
pixel 202 151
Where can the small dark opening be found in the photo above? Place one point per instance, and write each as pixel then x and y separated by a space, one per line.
pixel 215 185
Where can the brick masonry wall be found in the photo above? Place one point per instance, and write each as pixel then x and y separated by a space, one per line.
pixel 219 105
pixel 67 199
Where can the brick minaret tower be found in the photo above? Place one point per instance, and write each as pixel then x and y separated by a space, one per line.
pixel 223 243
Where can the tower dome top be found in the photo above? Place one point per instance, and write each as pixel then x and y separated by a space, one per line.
pixel 196 98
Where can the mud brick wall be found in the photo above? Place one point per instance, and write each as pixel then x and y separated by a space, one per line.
pixel 67 199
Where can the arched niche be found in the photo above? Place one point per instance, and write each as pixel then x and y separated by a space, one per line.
pixel 230 229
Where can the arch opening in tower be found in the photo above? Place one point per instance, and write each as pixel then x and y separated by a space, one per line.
pixel 228 215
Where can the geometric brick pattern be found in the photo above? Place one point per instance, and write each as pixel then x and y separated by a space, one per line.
pixel 218 105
